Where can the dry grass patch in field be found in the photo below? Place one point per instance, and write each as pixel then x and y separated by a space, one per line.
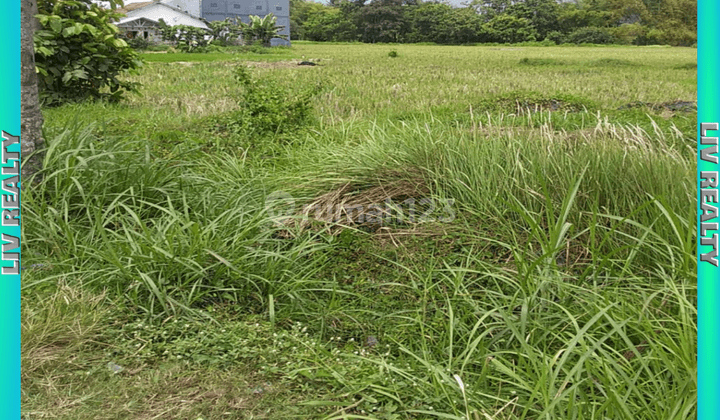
pixel 59 326
pixel 371 205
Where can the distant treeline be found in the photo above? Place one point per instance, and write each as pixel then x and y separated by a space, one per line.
pixel 639 22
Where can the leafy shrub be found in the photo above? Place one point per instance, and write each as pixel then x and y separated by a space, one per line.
pixel 185 38
pixel 226 32
pixel 262 29
pixel 393 54
pixel 269 107
pixel 138 43
pixel 628 33
pixel 590 35
pixel 257 48
pixel 79 54
pixel 668 35
pixel 509 29
pixel 557 37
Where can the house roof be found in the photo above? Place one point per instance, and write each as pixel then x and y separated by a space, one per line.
pixel 133 6
pixel 123 21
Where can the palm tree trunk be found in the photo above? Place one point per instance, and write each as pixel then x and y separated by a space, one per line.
pixel 31 139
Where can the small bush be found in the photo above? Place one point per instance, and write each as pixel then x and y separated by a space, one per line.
pixel 590 35
pixel 509 29
pixel 392 54
pixel 185 38
pixel 257 47
pixel 556 37
pixel 669 35
pixel 79 53
pixel 541 62
pixel 546 43
pixel 138 43
pixel 628 33
pixel 269 107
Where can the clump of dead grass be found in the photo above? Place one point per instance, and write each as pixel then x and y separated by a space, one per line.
pixel 371 204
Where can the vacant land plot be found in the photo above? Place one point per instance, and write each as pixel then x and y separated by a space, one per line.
pixel 454 232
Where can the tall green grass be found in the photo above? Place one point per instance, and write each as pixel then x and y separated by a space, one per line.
pixel 162 233
pixel 563 289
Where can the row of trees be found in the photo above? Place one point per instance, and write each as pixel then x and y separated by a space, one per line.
pixel 640 22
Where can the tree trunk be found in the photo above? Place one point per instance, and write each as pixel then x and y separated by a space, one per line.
pixel 31 140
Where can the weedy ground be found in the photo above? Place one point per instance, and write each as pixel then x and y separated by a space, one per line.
pixel 551 275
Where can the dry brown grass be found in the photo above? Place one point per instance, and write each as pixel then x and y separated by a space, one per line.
pixel 67 321
pixel 368 204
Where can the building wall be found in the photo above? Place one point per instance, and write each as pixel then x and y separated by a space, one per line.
pixel 213 10
pixel 153 33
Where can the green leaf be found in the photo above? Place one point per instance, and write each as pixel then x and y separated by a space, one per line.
pixel 56 25
pixel 69 31
pixel 44 51
pixel 80 74
pixel 119 43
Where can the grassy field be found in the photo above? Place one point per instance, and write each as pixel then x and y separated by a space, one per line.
pixel 539 262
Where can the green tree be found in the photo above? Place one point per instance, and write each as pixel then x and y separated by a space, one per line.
pixel 224 31
pixel 262 29
pixel 510 29
pixel 490 8
pixel 186 38
pixel 301 11
pixel 79 53
pixel 572 17
pixel 429 22
pixel 676 22
pixel 542 14
pixel 329 24
pixel 464 26
pixel 382 21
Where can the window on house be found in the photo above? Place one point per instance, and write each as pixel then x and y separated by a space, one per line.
pixel 145 34
pixel 213 5
pixel 237 6
pixel 258 7
pixel 278 8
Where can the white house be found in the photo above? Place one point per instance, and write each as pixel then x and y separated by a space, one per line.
pixel 143 19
